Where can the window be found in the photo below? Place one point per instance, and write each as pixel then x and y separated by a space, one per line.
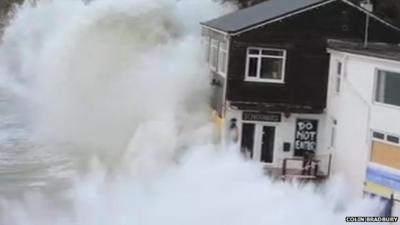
pixel 338 76
pixel 333 133
pixel 386 137
pixel 392 139
pixel 222 57
pixel 206 47
pixel 387 88
pixel 378 135
pixel 265 65
pixel 214 54
pixel 258 142
pixel 333 137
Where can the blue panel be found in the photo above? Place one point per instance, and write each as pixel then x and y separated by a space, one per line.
pixel 383 177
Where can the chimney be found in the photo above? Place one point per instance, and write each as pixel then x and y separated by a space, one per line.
pixel 367 5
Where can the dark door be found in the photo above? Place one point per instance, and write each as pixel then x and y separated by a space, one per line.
pixel 248 139
pixel 267 144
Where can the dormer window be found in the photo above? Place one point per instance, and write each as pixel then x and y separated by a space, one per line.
pixel 265 65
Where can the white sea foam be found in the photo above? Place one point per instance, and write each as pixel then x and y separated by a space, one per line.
pixel 123 81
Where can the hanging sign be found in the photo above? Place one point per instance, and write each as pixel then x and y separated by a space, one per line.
pixel 305 136
pixel 265 117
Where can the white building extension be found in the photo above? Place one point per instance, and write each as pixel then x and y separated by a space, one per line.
pixel 363 113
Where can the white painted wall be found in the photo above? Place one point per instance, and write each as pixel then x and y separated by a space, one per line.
pixel 357 114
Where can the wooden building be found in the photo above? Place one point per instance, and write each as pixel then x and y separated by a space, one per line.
pixel 270 71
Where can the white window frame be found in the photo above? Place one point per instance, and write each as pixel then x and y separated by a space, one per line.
pixel 257 141
pixel 214 44
pixel 222 64
pixel 206 48
pixel 375 89
pixel 384 140
pixel 260 56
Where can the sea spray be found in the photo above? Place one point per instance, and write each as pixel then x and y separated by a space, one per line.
pixel 205 186
pixel 123 87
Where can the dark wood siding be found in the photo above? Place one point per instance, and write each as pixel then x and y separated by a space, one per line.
pixel 304 37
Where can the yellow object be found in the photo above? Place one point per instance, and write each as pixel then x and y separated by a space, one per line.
pixel 218 121
pixel 378 189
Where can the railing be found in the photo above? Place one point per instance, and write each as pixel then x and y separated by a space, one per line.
pixel 314 168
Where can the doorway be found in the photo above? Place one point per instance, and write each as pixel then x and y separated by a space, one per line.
pixel 258 142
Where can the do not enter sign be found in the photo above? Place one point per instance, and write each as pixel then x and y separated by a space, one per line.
pixel 305 136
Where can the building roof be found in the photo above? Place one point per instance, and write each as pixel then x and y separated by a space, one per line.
pixel 272 10
pixel 259 13
pixel 373 49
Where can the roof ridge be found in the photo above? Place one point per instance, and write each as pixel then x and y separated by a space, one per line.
pixel 249 14
pixel 248 19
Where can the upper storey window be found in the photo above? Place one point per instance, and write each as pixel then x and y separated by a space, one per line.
pixel 222 58
pixel 214 54
pixel 217 55
pixel 387 88
pixel 206 47
pixel 265 65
